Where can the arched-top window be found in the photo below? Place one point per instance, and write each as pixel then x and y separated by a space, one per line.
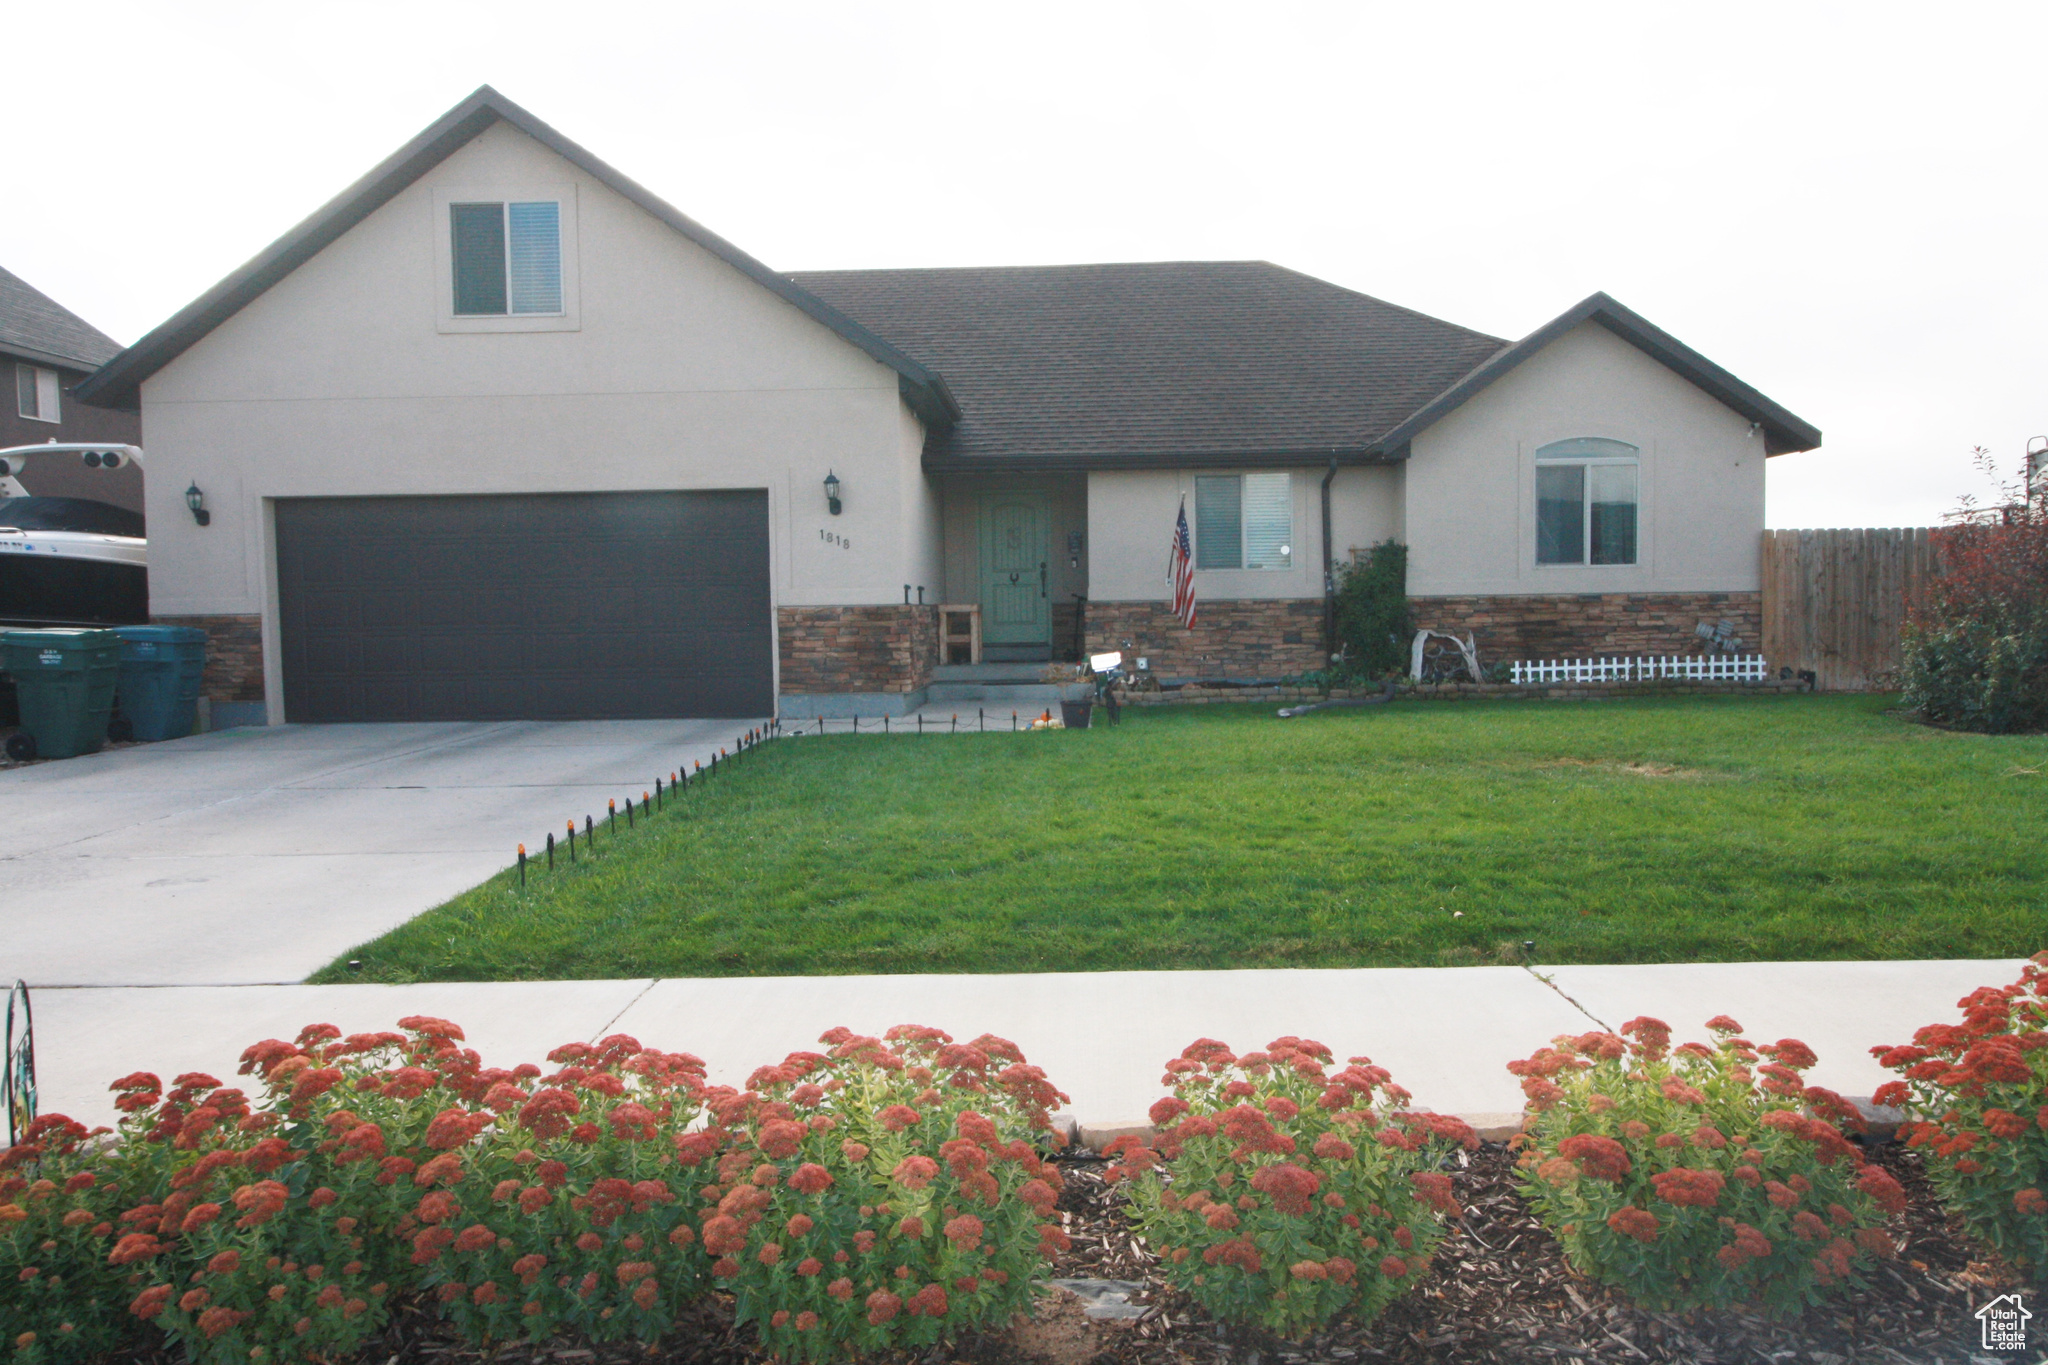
pixel 1586 501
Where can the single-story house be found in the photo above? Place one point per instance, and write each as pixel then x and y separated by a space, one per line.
pixel 498 433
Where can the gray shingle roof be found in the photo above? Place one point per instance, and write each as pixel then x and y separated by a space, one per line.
pixel 37 327
pixel 1171 364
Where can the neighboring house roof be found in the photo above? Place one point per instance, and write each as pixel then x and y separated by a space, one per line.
pixel 119 383
pixel 1164 365
pixel 35 326
pixel 1783 432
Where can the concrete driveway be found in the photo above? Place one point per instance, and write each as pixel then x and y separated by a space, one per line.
pixel 259 855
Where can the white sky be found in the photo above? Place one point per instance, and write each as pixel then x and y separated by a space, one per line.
pixel 1844 204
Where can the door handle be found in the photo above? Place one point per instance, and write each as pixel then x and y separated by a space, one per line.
pixel 1041 578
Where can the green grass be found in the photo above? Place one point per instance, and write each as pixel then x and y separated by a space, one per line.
pixel 1651 830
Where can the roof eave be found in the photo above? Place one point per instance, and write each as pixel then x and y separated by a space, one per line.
pixel 119 382
pixel 1294 458
pixel 1783 431
pixel 16 351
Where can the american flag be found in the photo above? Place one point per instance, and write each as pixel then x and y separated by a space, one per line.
pixel 1180 570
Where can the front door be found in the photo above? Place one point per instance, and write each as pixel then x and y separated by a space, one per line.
pixel 1015 608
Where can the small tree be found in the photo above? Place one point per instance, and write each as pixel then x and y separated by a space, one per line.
pixel 1373 622
pixel 1975 651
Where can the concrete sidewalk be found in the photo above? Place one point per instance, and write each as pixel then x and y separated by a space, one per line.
pixel 1445 1033
pixel 259 855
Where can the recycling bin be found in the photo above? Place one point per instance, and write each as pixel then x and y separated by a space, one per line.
pixel 64 685
pixel 158 695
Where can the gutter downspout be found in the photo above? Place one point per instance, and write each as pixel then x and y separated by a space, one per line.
pixel 1329 573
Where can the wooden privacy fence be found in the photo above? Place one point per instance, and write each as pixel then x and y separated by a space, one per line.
pixel 1834 601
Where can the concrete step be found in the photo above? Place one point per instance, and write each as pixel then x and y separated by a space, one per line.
pixel 989 673
pixel 1033 693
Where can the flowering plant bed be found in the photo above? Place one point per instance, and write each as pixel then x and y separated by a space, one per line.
pixel 1289 1192
pixel 1980 1089
pixel 1701 1176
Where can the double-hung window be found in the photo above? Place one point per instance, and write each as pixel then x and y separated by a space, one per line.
pixel 1586 502
pixel 506 258
pixel 1244 521
pixel 37 393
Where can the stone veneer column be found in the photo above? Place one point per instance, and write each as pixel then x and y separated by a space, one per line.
pixel 831 650
pixel 234 655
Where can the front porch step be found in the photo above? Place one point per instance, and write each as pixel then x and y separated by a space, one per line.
pixel 1020 694
pixel 989 673
pixel 1017 653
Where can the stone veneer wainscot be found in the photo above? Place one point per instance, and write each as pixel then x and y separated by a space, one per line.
pixel 1231 639
pixel 1598 625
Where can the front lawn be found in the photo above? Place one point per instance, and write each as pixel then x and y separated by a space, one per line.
pixel 1418 834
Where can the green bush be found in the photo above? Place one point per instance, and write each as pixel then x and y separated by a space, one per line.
pixel 1291 1194
pixel 1374 626
pixel 1701 1177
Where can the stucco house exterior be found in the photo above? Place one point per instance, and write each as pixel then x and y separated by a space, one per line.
pixel 498 433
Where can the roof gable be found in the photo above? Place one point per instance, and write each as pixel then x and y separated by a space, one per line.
pixel 119 382
pixel 1783 432
pixel 35 326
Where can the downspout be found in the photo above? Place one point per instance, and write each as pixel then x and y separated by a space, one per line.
pixel 1329 573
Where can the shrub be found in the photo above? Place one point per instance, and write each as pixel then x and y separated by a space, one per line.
pixel 60 1297
pixel 883 1195
pixel 1700 1177
pixel 377 1164
pixel 1975 651
pixel 1982 1089
pixel 1373 622
pixel 1290 1194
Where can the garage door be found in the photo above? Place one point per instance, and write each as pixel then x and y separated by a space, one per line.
pixel 560 606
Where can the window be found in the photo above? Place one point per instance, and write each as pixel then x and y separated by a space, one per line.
pixel 1586 502
pixel 36 393
pixel 506 258
pixel 1244 521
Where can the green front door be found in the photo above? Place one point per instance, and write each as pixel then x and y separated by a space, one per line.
pixel 1014 607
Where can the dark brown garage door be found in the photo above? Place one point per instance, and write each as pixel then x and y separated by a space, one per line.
pixel 559 606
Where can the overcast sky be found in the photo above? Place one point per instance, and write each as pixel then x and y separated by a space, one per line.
pixel 1844 204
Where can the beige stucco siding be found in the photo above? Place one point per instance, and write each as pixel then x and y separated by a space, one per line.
pixel 679 372
pixel 1470 500
pixel 1131 516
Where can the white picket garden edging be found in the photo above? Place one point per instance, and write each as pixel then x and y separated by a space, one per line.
pixel 1676 667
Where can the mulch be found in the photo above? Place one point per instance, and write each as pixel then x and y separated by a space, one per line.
pixel 1499 1291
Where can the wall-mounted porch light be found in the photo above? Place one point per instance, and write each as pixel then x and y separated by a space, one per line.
pixel 196 500
pixel 832 491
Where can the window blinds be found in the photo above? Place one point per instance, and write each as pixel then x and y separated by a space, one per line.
pixel 1268 521
pixel 536 256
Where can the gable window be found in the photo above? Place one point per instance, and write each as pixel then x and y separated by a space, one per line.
pixel 506 258
pixel 1244 521
pixel 1586 502
pixel 36 393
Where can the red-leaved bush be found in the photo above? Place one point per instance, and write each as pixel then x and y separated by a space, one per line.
pixel 1980 1089
pixel 1974 652
pixel 1701 1176
pixel 882 1195
pixel 1284 1192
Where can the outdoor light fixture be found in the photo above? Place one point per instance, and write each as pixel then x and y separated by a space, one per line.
pixel 832 491
pixel 196 500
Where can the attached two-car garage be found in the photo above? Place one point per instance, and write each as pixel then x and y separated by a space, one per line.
pixel 555 606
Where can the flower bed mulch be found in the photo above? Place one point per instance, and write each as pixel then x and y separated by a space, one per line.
pixel 1499 1290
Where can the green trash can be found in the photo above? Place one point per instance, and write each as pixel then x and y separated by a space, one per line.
pixel 158 696
pixel 64 680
